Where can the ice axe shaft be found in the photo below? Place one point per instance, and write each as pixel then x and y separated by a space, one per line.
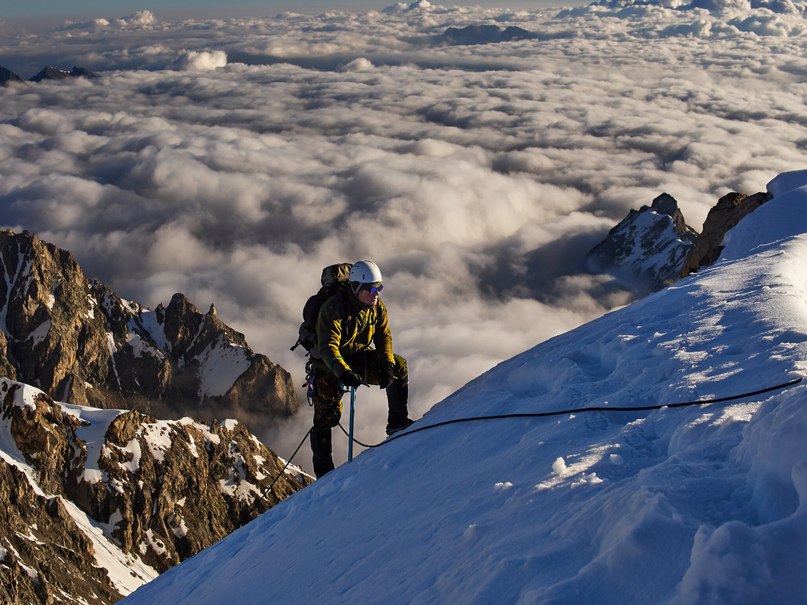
pixel 350 435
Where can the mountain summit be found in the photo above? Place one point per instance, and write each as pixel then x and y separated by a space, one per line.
pixel 56 73
pixel 647 248
pixel 7 76
pixel 80 342
pixel 695 504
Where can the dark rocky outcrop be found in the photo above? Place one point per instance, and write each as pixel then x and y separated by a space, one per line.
pixel 44 555
pixel 7 76
pixel 80 342
pixel 646 250
pixel 54 73
pixel 484 34
pixel 727 213
pixel 160 491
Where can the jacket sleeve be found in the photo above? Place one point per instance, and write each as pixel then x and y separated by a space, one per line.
pixel 329 337
pixel 383 337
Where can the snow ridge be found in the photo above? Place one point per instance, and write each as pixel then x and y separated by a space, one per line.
pixel 687 505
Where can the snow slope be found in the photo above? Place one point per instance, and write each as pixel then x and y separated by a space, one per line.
pixel 702 504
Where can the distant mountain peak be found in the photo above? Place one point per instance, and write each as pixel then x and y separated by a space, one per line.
pixel 647 248
pixel 55 73
pixel 7 76
pixel 484 34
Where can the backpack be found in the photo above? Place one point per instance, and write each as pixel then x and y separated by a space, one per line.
pixel 334 278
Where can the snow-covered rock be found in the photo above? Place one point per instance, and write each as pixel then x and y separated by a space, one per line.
pixel 646 249
pixel 80 342
pixel 56 73
pixel 99 501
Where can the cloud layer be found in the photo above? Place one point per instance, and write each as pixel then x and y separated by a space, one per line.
pixel 233 159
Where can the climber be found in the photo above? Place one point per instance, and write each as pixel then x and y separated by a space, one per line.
pixel 355 348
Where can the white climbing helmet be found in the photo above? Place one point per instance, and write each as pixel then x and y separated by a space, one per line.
pixel 365 272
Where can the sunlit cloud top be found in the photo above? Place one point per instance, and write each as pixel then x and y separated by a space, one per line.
pixel 232 159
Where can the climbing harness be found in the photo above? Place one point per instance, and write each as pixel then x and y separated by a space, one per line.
pixel 310 382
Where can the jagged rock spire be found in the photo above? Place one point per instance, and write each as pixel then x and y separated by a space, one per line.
pixel 647 248
pixel 80 342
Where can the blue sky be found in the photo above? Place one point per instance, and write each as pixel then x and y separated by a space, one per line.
pixel 49 11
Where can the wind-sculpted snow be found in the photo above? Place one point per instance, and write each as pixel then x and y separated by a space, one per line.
pixel 701 504
pixel 476 176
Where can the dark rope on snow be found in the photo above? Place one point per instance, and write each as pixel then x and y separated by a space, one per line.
pixel 641 408
pixel 601 408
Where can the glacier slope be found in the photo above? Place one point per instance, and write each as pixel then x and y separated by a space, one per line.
pixel 687 505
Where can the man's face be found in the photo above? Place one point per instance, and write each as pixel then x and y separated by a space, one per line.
pixel 368 294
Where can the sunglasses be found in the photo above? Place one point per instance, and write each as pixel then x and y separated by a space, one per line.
pixel 372 288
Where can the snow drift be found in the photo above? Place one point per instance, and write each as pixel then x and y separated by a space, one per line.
pixel 702 504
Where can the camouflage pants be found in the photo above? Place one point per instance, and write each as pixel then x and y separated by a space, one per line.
pixel 328 393
pixel 327 401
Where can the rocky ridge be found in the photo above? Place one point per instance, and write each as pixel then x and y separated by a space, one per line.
pixel 56 73
pixel 98 502
pixel 727 213
pixel 78 341
pixel 654 247
pixel 48 73
pixel 484 34
pixel 646 249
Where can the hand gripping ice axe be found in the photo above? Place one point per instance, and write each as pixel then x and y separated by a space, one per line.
pixel 352 391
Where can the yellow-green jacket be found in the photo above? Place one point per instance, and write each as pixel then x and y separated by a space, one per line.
pixel 345 327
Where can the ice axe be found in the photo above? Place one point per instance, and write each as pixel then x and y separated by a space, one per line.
pixel 350 431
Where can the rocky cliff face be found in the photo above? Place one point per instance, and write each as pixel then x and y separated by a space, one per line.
pixel 80 342
pixel 647 248
pixel 727 213
pixel 98 501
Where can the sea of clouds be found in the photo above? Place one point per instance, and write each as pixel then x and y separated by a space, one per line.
pixel 232 159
